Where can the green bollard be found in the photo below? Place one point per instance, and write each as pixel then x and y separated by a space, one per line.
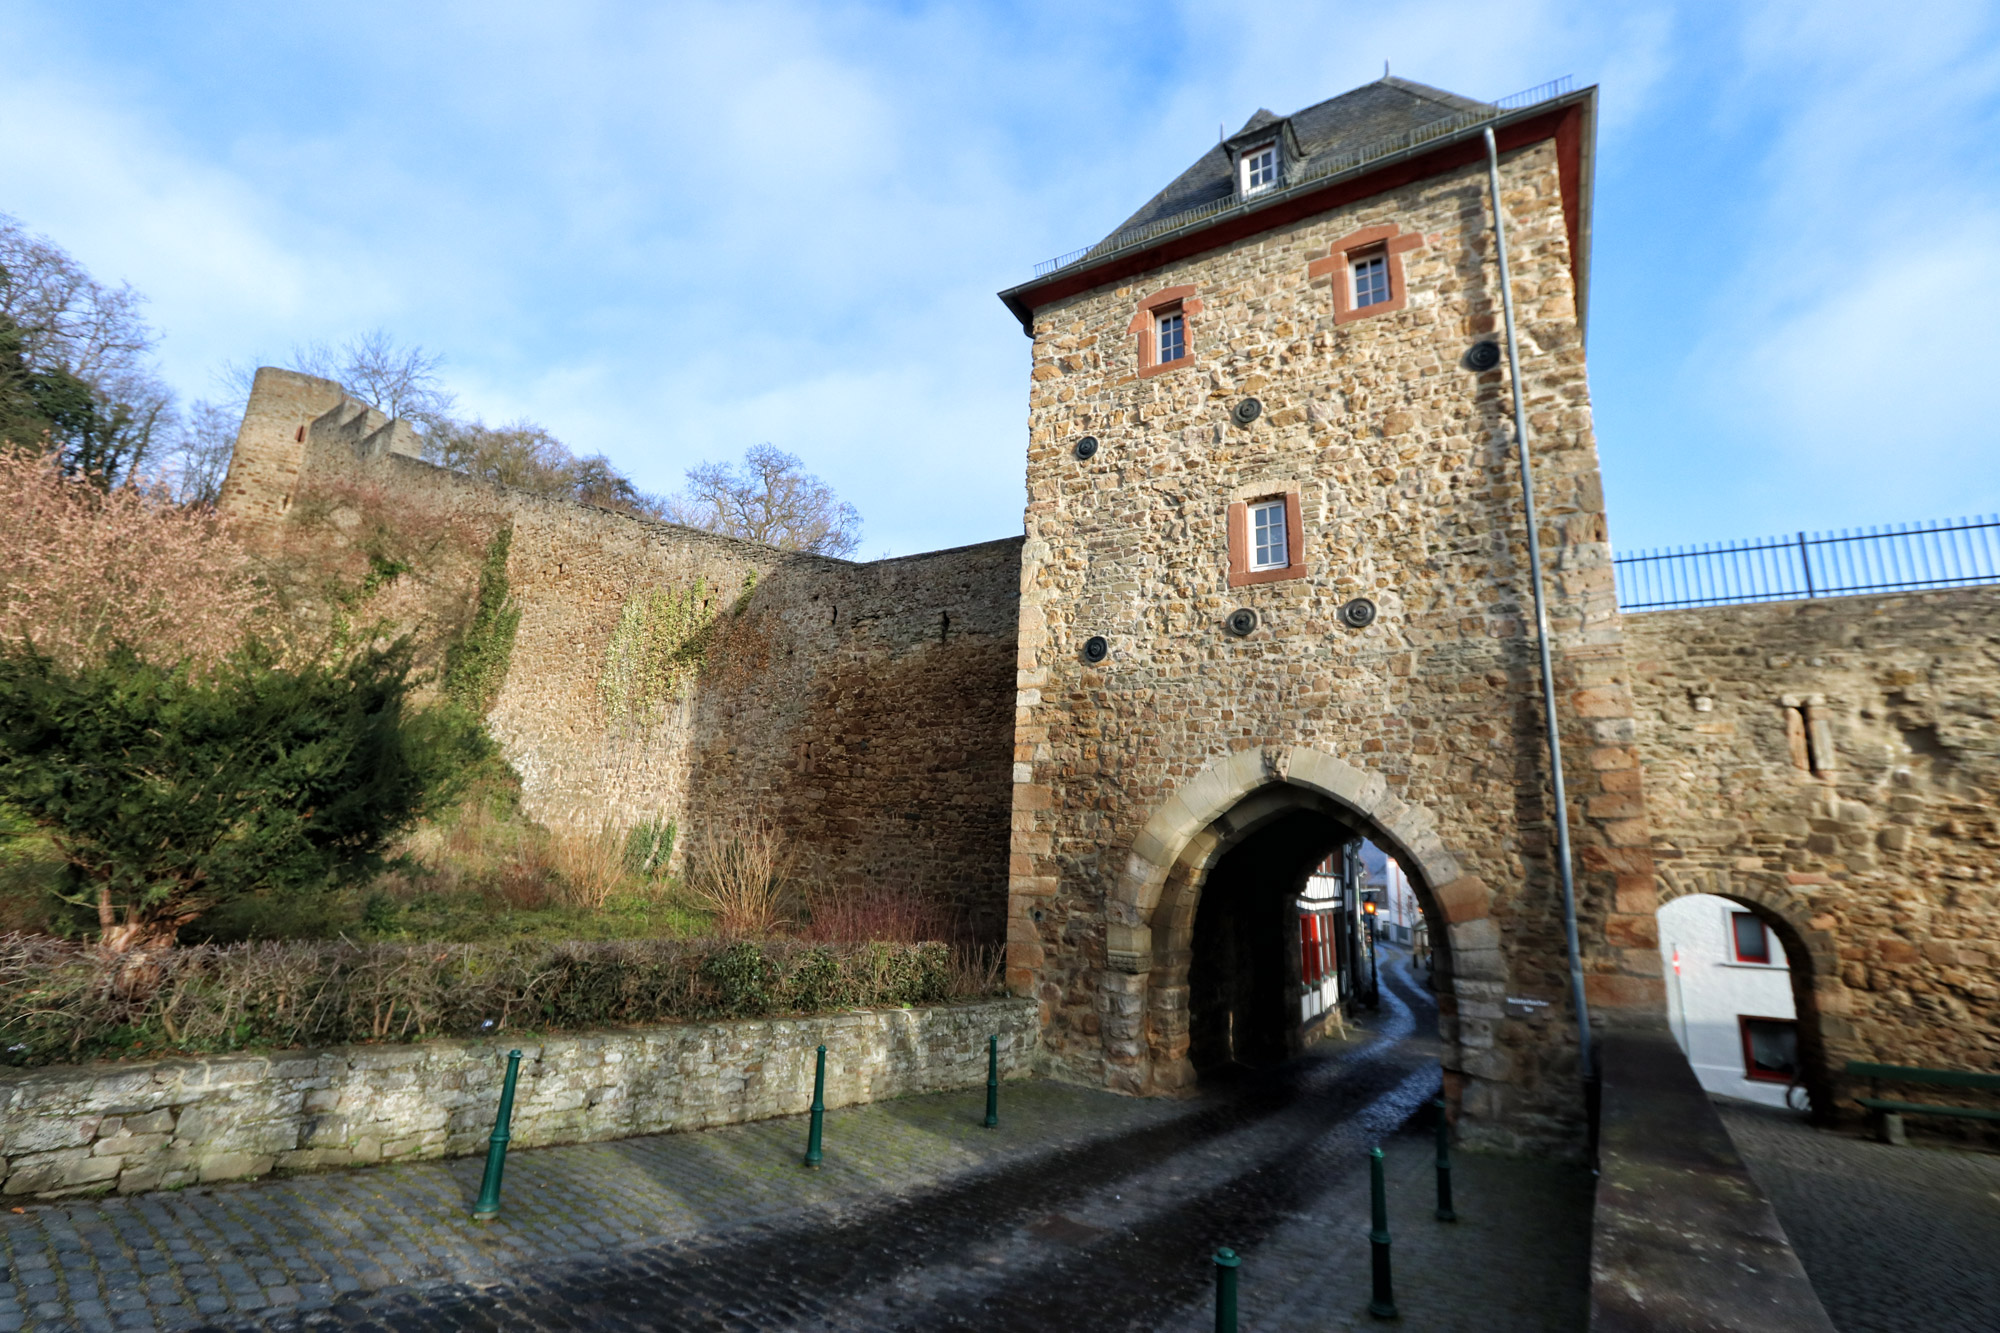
pixel 993 1082
pixel 1226 1264
pixel 818 1113
pixel 488 1206
pixel 1384 1304
pixel 1444 1213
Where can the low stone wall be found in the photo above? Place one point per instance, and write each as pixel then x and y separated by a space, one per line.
pixel 1682 1241
pixel 157 1124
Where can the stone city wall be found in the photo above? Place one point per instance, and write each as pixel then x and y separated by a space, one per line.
pixel 862 708
pixel 1428 719
pixel 158 1124
pixel 1835 764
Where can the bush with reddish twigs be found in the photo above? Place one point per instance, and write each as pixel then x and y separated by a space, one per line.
pixel 82 569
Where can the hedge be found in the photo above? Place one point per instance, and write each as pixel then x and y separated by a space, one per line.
pixel 62 1002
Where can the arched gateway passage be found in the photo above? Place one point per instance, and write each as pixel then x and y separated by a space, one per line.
pixel 1263 817
pixel 1246 970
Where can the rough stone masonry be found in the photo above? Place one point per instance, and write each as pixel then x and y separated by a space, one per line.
pixel 161 1124
pixel 944 722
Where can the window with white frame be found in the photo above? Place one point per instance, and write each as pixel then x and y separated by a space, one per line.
pixel 1171 326
pixel 1260 168
pixel 1267 535
pixel 1371 280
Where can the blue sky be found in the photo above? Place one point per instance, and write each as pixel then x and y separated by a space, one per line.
pixel 669 232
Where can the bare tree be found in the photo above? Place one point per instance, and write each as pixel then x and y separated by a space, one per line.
pixel 76 373
pixel 199 461
pixel 770 499
pixel 402 381
pixel 382 372
pixel 528 457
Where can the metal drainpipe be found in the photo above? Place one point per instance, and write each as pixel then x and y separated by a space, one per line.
pixel 1585 1055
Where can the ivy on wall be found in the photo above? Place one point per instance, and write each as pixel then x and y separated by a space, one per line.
pixel 475 665
pixel 657 649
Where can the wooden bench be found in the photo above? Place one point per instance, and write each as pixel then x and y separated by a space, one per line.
pixel 1889 1113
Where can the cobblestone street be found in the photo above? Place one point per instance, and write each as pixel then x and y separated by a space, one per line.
pixel 1896 1240
pixel 1084 1210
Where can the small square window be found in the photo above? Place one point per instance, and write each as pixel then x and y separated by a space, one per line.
pixel 1747 935
pixel 1260 168
pixel 1172 327
pixel 1267 536
pixel 1371 281
pixel 1770 1048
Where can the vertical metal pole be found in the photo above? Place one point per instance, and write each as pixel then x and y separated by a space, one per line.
pixel 1226 1264
pixel 814 1134
pixel 1374 975
pixel 1586 1058
pixel 488 1206
pixel 1805 563
pixel 1383 1306
pixel 993 1082
pixel 1444 1212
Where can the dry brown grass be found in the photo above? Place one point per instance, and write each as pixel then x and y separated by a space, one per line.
pixel 482 849
pixel 524 866
pixel 742 875
pixel 590 867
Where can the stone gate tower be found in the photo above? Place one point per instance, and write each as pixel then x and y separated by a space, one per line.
pixel 1275 597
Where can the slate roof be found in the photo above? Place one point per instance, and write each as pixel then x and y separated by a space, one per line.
pixel 1372 112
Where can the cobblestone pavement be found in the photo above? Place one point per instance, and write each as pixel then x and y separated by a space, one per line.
pixel 1893 1239
pixel 1083 1210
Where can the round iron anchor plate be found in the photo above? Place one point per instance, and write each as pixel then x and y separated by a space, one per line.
pixel 1242 621
pixel 1086 446
pixel 1358 614
pixel 1096 648
pixel 1246 411
pixel 1483 356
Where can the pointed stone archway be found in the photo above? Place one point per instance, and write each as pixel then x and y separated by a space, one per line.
pixel 1152 905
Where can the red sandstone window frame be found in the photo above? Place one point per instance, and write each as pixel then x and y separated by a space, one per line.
pixel 1736 954
pixel 1337 265
pixel 1146 324
pixel 1241 575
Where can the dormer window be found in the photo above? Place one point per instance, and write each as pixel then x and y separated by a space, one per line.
pixel 1260 168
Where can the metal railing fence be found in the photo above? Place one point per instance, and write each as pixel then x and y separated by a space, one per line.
pixel 1319 171
pixel 1942 553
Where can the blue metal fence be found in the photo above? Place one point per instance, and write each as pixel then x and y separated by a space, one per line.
pixel 1945 553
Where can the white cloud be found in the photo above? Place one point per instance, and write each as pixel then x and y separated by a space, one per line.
pixel 1845 353
pixel 670 233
